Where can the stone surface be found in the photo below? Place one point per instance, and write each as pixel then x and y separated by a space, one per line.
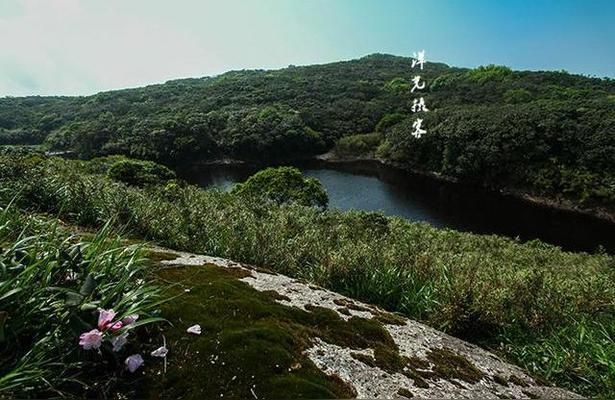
pixel 416 341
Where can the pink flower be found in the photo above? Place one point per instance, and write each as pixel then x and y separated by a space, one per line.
pixel 119 341
pixel 130 319
pixel 91 340
pixel 104 318
pixel 134 362
pixel 115 326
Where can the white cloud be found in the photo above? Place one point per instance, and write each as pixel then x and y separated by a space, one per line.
pixel 75 47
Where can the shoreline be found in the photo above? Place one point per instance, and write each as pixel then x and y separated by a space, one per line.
pixel 331 159
pixel 525 196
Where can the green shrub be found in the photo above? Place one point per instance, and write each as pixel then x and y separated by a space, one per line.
pixel 140 173
pixel 389 120
pixel 358 145
pixel 517 96
pixel 488 73
pixel 284 185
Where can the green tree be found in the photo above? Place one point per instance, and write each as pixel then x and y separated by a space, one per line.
pixel 140 173
pixel 284 185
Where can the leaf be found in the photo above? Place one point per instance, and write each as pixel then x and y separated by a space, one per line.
pixel 142 322
pixel 88 286
pixel 88 306
pixel 3 317
pixel 73 298
pixel 10 293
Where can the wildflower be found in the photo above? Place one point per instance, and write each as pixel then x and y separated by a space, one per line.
pixel 115 326
pixel 119 341
pixel 91 340
pixel 104 318
pixel 194 329
pixel 133 362
pixel 160 352
pixel 130 319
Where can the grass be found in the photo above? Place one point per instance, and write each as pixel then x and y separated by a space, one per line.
pixel 531 302
pixel 51 285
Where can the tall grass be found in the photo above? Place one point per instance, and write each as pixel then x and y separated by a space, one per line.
pixel 522 299
pixel 51 286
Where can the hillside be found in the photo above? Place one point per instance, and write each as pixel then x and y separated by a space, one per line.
pixel 545 133
pixel 544 309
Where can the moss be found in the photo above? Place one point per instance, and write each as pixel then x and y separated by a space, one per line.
pixel 500 380
pixel 344 311
pixel 239 273
pixel 518 381
pixel 350 305
pixel 275 295
pixel 450 365
pixel 416 363
pixel 158 255
pixel 405 393
pixel 249 341
pixel 390 318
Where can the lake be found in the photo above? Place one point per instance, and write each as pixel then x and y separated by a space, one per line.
pixel 371 186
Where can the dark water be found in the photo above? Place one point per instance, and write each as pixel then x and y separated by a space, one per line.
pixel 374 187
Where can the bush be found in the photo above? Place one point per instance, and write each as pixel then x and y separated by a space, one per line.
pixel 358 145
pixel 284 185
pixel 140 173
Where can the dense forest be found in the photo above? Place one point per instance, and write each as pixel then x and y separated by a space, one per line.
pixel 546 133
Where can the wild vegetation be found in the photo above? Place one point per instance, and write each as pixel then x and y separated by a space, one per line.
pixel 550 311
pixel 73 312
pixel 548 133
pixel 283 185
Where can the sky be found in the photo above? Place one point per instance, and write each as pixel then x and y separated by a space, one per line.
pixel 80 47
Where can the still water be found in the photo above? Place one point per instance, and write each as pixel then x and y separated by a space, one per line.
pixel 375 187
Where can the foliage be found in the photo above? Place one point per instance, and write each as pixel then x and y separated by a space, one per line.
pixel 487 289
pixel 139 173
pixel 51 285
pixel 284 185
pixel 298 112
pixel 358 145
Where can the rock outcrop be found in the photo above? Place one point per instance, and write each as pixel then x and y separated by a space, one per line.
pixel 409 360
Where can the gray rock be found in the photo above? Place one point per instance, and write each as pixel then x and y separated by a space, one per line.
pixel 496 378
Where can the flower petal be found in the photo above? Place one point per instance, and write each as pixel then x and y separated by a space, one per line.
pixel 194 329
pixel 133 362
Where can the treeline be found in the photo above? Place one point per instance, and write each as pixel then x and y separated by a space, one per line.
pixel 547 132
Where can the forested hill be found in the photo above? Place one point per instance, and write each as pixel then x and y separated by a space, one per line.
pixel 550 133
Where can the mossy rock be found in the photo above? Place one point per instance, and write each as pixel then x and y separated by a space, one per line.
pixel 249 341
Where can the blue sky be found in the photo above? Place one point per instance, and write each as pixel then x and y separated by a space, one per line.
pixel 85 46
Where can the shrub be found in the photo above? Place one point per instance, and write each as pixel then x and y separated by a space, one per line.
pixel 284 185
pixel 358 145
pixel 140 173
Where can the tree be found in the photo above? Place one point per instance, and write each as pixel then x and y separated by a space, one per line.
pixel 284 185
pixel 140 173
